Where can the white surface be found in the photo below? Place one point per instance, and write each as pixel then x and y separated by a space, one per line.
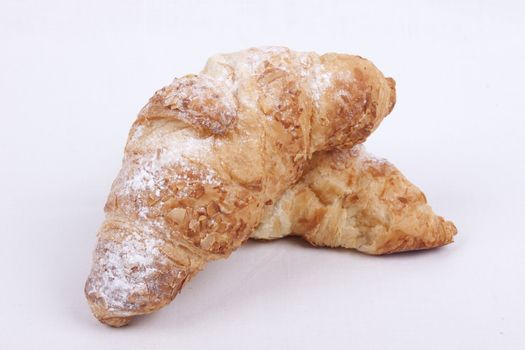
pixel 74 75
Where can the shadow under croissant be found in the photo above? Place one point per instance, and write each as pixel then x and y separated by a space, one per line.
pixel 207 294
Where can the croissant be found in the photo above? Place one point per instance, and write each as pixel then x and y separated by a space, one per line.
pixel 209 154
pixel 351 199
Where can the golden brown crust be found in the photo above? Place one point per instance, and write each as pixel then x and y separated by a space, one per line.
pixel 208 155
pixel 350 199
pixel 204 103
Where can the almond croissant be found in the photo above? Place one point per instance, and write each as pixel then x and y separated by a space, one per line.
pixel 209 154
pixel 351 199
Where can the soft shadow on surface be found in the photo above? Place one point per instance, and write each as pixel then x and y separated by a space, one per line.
pixel 419 254
pixel 254 270
pixel 259 269
pixel 296 241
pixel 299 242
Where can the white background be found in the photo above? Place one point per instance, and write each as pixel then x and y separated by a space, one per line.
pixel 73 75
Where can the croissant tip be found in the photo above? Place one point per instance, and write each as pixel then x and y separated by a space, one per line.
pixel 116 322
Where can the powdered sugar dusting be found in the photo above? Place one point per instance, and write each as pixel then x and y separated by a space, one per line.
pixel 201 89
pixel 201 101
pixel 127 266
pixel 372 158
pixel 124 268
pixel 362 155
pixel 319 82
pixel 137 133
pixel 145 173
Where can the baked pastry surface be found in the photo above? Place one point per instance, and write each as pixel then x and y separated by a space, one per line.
pixel 352 199
pixel 210 154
